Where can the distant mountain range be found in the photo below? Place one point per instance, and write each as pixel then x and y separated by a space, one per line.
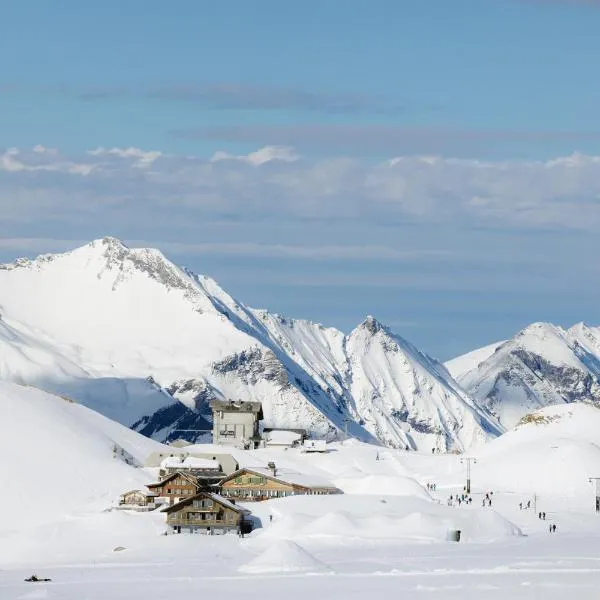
pixel 144 342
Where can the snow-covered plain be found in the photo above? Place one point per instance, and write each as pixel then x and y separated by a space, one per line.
pixel 386 535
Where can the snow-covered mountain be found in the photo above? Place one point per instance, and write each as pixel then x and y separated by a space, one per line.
pixel 542 365
pixel 126 332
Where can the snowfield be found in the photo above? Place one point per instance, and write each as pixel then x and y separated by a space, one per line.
pixel 386 535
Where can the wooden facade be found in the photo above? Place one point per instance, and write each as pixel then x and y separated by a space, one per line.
pixel 206 512
pixel 175 487
pixel 254 485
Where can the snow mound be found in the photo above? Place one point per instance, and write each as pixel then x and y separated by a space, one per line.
pixel 285 556
pixel 382 485
pixel 331 524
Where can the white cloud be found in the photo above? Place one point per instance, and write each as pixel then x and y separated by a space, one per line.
pixel 272 184
pixel 140 159
pixel 261 156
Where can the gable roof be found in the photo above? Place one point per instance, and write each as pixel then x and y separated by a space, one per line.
pixel 285 476
pixel 214 497
pixel 190 478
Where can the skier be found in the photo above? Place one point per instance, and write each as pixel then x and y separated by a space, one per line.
pixel 544 516
pixel 520 506
pixel 554 528
pixel 550 528
pixel 540 516
pixel 528 503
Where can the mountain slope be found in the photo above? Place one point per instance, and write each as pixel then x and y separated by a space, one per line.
pixel 542 365
pixel 401 393
pixel 149 344
pixel 54 445
pixel 460 365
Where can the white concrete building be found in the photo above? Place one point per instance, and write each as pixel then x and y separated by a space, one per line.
pixel 236 423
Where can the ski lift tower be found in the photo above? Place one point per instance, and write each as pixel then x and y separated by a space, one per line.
pixel 596 480
pixel 468 460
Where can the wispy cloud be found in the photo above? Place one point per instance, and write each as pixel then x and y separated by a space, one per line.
pixel 233 97
pixel 376 138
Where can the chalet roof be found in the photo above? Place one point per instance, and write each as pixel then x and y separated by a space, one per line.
pixel 285 476
pixel 214 497
pixel 172 476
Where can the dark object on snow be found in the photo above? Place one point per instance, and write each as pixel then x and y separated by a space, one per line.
pixel 455 535
pixel 35 578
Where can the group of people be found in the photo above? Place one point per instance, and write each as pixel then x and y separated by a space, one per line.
pixel 487 500
pixel 459 499
pixel 542 516
pixel 528 505
pixel 431 487
pixel 552 528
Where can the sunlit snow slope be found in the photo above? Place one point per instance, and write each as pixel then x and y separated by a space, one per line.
pixel 60 458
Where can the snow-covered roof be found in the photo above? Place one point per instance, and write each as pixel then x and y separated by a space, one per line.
pixel 283 437
pixel 190 462
pixel 290 476
pixel 215 497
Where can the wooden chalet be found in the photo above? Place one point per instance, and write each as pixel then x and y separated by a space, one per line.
pixel 262 484
pixel 209 513
pixel 139 500
pixel 175 487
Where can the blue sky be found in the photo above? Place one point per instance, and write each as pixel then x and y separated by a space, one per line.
pixel 431 162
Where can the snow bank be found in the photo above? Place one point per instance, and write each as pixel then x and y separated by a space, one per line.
pixel 356 520
pixel 386 485
pixel 285 556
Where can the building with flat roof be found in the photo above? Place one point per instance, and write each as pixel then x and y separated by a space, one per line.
pixel 236 423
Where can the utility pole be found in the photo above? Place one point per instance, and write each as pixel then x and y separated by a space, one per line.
pixel 596 480
pixel 468 460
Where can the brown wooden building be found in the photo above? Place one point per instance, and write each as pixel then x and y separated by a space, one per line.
pixel 206 512
pixel 263 484
pixel 175 487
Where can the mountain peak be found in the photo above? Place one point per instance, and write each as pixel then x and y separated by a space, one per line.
pixel 372 325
